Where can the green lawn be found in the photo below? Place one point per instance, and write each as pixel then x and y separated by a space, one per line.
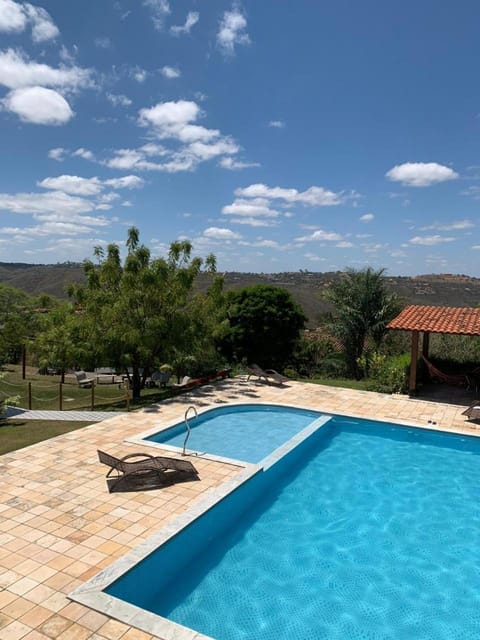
pixel 16 434
pixel 346 383
pixel 45 392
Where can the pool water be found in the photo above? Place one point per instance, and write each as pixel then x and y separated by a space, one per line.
pixel 373 535
pixel 243 432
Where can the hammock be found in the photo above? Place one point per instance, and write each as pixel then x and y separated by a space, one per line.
pixel 458 379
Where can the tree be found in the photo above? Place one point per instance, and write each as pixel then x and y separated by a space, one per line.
pixel 17 322
pixel 363 308
pixel 132 313
pixel 264 325
pixel 58 343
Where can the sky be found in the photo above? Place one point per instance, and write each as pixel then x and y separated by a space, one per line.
pixel 277 135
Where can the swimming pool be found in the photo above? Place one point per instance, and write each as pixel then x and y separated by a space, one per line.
pixel 365 530
pixel 246 432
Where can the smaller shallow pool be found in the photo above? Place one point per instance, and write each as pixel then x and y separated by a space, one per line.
pixel 247 432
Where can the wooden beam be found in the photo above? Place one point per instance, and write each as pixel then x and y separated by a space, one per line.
pixel 412 386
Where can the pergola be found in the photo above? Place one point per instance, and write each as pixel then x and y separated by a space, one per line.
pixel 425 320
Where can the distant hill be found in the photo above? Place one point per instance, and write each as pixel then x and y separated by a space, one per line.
pixel 306 287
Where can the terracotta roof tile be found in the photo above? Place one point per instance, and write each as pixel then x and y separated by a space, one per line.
pixel 453 320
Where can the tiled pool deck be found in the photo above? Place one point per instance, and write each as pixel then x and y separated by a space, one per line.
pixel 59 525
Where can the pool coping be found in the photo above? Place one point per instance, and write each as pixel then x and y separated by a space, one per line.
pixel 92 594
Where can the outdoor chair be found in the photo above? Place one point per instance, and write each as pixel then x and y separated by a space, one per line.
pixel 269 375
pixel 186 382
pixel 473 411
pixel 140 471
pixel 82 379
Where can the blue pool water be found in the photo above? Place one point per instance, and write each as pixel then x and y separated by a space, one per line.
pixel 368 532
pixel 243 432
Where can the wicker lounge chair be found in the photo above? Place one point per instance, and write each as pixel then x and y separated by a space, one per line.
pixel 269 375
pixel 146 465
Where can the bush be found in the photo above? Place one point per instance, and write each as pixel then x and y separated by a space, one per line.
pixel 389 374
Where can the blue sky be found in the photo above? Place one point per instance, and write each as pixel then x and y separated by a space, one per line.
pixel 277 135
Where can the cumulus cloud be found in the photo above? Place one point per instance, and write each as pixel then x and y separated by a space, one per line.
pixel 17 71
pixel 313 196
pixel 220 233
pixel 191 20
pixel 38 105
pixel 86 154
pixel 368 217
pixel 190 143
pixel 250 208
pixel 58 153
pixel 421 174
pixel 15 17
pixel 277 124
pixel 139 74
pixel 232 31
pixel 254 222
pixel 170 72
pixel 430 240
pixel 321 235
pixel 80 186
pixel 52 202
pixel 160 9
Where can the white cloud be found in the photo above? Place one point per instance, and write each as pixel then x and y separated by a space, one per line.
pixel 451 226
pixel 83 153
pixel 250 208
pixel 220 233
pixel 58 153
pixel 52 202
pixel 232 164
pixel 103 42
pixel 430 240
pixel 15 17
pixel 139 74
pixel 160 10
pixel 254 222
pixel 476 247
pixel 344 244
pixel 17 71
pixel 321 235
pixel 314 257
pixel 43 27
pixel 313 196
pixel 420 174
pixel 38 105
pixel 277 124
pixel 170 72
pixel 368 217
pixel 118 100
pixel 232 31
pixel 191 20
pixel 79 186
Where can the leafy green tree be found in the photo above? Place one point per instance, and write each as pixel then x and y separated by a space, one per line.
pixel 264 325
pixel 17 322
pixel 132 313
pixel 363 308
pixel 58 342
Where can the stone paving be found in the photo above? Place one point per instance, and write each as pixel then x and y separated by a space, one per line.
pixel 75 416
pixel 59 525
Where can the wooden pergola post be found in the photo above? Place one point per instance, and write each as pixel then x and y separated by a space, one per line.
pixel 412 385
pixel 425 343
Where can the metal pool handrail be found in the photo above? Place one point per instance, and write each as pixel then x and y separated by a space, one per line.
pixel 188 426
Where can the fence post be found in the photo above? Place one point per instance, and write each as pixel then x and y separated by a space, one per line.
pixel 92 403
pixel 29 396
pixel 127 395
pixel 60 398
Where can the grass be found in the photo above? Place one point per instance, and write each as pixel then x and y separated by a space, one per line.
pixel 16 434
pixel 345 383
pixel 45 392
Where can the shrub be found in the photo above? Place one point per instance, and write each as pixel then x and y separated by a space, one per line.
pixel 389 374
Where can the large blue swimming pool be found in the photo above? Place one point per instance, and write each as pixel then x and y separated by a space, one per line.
pixel 247 432
pixel 366 531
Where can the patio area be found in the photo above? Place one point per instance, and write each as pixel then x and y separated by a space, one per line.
pixel 59 525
